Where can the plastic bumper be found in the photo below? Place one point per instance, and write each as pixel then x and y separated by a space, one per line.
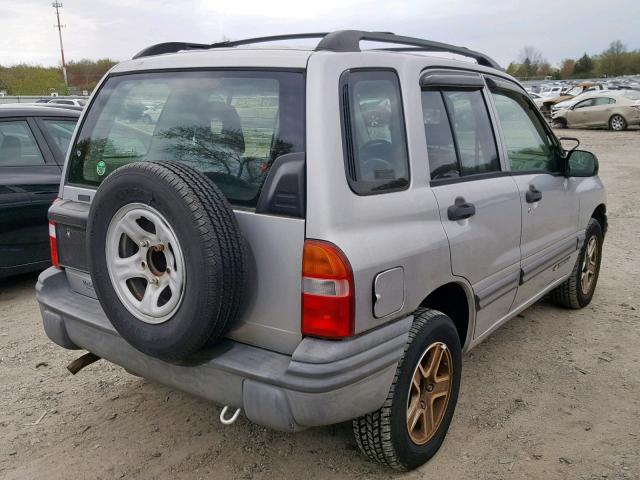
pixel 322 383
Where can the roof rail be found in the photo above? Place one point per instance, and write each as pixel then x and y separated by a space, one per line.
pixel 349 41
pixel 169 47
pixel 338 41
pixel 273 38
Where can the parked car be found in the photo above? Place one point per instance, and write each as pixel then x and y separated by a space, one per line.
pixel 538 100
pixel 76 102
pixel 33 142
pixel 315 236
pixel 581 96
pixel 581 88
pixel 615 110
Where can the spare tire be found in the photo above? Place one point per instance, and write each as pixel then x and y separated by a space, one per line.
pixel 166 258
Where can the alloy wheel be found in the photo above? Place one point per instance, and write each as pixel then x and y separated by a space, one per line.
pixel 429 393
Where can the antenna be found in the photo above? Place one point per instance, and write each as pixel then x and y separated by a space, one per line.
pixel 58 5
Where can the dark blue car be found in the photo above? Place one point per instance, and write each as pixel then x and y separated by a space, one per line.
pixel 33 144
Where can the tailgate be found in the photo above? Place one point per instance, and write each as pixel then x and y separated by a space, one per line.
pixel 270 314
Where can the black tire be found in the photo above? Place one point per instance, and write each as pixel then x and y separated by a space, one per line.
pixel 382 435
pixel 570 294
pixel 616 120
pixel 213 252
pixel 559 123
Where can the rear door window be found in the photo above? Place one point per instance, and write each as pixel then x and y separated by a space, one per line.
pixel 460 139
pixel 230 125
pixel 60 132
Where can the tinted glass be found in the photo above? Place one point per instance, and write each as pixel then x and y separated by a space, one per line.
pixel 471 126
pixel 230 125
pixel 374 132
pixel 443 161
pixel 18 148
pixel 61 132
pixel 529 145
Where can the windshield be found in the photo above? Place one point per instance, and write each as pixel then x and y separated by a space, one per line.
pixel 229 125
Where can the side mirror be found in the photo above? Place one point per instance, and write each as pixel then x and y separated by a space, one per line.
pixel 581 163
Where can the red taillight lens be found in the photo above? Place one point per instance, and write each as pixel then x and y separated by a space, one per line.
pixel 53 244
pixel 327 291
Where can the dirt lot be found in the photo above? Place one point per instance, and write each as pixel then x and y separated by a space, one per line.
pixel 553 394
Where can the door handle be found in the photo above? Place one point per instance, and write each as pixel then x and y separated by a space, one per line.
pixel 461 210
pixel 533 195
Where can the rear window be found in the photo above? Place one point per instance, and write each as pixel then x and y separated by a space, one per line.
pixel 230 125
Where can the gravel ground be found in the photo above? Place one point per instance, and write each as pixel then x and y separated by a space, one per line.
pixel 552 394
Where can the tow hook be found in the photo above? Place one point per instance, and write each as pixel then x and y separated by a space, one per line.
pixel 232 419
pixel 81 362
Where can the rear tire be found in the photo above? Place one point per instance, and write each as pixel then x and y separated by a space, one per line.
pixel 617 123
pixel 384 435
pixel 575 293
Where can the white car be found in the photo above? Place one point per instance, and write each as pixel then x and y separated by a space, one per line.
pixel 76 102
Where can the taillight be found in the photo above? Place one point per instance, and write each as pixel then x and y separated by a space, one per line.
pixel 53 244
pixel 327 291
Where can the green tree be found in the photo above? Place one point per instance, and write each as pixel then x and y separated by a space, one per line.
pixel 612 61
pixel 584 66
pixel 32 80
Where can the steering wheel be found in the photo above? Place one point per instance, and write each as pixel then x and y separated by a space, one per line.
pixel 377 148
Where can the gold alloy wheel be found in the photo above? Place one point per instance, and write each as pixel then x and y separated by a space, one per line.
pixel 429 393
pixel 589 266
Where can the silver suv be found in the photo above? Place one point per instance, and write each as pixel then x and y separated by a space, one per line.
pixel 313 236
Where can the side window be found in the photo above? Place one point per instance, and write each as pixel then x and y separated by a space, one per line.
pixel 585 103
pixel 18 148
pixel 61 132
pixel 603 101
pixel 459 135
pixel 443 161
pixel 529 146
pixel 374 131
pixel 472 129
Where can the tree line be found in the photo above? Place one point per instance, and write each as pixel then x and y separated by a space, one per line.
pixel 37 80
pixel 614 61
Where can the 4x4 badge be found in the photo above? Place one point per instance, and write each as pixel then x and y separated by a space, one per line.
pixel 101 167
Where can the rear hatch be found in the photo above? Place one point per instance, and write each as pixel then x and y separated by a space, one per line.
pixel 242 128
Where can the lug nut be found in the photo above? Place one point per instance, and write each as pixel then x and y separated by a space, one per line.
pixel 144 243
pixel 153 281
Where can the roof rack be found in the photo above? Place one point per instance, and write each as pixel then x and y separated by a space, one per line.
pixel 338 41
pixel 349 41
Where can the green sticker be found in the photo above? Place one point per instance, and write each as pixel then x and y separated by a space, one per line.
pixel 101 167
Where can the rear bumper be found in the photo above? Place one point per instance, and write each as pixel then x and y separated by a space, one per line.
pixel 322 383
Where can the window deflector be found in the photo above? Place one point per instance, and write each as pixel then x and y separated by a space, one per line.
pixel 451 79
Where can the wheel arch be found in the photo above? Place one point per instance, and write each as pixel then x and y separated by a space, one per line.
pixel 600 214
pixel 455 300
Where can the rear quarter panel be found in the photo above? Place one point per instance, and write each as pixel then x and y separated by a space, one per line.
pixel 376 232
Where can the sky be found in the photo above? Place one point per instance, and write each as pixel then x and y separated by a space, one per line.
pixel 117 29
